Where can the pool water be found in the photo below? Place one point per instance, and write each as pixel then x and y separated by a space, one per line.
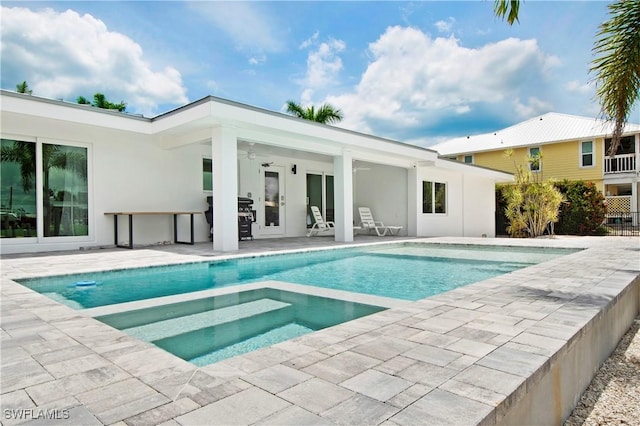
pixel 209 330
pixel 409 271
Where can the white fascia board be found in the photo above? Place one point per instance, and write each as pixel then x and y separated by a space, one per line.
pixel 288 140
pixel 184 117
pixel 262 126
pixel 30 105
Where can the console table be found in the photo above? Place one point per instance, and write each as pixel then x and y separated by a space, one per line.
pixel 131 214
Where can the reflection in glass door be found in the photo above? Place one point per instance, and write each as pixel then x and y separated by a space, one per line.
pixel 314 195
pixel 273 200
pixel 320 194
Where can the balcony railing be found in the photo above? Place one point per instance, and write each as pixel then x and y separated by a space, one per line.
pixel 620 163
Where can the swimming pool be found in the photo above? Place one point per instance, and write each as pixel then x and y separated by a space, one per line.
pixel 211 329
pixel 409 271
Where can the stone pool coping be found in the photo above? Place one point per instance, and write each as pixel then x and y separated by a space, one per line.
pixel 518 348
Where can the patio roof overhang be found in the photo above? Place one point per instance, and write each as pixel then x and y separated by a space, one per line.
pixel 195 122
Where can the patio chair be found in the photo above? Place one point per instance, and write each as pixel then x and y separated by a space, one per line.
pixel 319 224
pixel 367 223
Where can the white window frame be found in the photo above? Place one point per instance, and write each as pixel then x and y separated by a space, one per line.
pixel 464 159
pixel 91 235
pixel 433 197
pixel 539 169
pixel 582 154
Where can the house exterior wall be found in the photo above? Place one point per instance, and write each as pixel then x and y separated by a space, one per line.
pixel 470 206
pixel 559 161
pixel 478 214
pixel 135 164
pixel 384 190
pixel 126 171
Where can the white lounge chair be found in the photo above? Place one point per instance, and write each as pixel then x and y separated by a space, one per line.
pixel 367 223
pixel 319 224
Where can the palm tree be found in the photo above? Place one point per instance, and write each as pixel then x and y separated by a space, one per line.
pixel 617 65
pixel 23 88
pixel 617 61
pixel 326 114
pixel 23 153
pixel 508 8
pixel 101 101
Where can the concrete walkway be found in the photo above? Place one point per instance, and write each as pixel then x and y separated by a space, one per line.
pixel 512 349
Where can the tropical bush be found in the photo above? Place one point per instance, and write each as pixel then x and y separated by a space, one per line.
pixel 531 207
pixel 531 204
pixel 584 208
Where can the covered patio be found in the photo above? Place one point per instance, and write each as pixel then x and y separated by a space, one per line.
pixel 220 149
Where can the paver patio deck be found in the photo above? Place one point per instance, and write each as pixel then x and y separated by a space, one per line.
pixel 474 355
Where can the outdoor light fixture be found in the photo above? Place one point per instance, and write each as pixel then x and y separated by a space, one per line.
pixel 251 154
pixel 294 169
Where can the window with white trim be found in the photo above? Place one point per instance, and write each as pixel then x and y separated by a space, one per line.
pixel 468 159
pixel 586 154
pixel 535 163
pixel 207 174
pixel 434 197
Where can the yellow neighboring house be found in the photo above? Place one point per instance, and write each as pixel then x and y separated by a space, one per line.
pixel 570 147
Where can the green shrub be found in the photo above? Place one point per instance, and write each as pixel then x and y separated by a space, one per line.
pixel 532 205
pixel 583 211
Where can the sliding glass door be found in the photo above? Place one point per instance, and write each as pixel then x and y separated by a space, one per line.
pixel 320 194
pixel 65 205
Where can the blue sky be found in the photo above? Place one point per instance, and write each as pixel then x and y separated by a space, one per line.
pixel 417 72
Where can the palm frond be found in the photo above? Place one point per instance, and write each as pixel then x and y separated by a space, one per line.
pixel 617 65
pixel 325 114
pixel 507 8
pixel 328 114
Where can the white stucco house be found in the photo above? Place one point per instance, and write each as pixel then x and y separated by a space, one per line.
pixel 67 167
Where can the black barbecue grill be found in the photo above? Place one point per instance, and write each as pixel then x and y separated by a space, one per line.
pixel 246 216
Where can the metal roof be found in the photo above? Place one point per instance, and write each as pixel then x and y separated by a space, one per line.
pixel 548 128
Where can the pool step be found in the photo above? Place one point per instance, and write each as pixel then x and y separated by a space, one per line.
pixel 180 325
pixel 268 338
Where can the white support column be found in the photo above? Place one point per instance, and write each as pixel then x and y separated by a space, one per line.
pixel 413 205
pixel 224 152
pixel 635 186
pixel 343 192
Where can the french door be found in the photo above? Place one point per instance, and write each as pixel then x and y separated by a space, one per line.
pixel 273 214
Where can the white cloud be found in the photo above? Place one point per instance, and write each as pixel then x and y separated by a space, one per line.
pixel 323 65
pixel 533 106
pixel 414 81
pixel 310 41
pixel 575 86
pixel 248 24
pixel 445 25
pixel 212 85
pixel 257 60
pixel 65 55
